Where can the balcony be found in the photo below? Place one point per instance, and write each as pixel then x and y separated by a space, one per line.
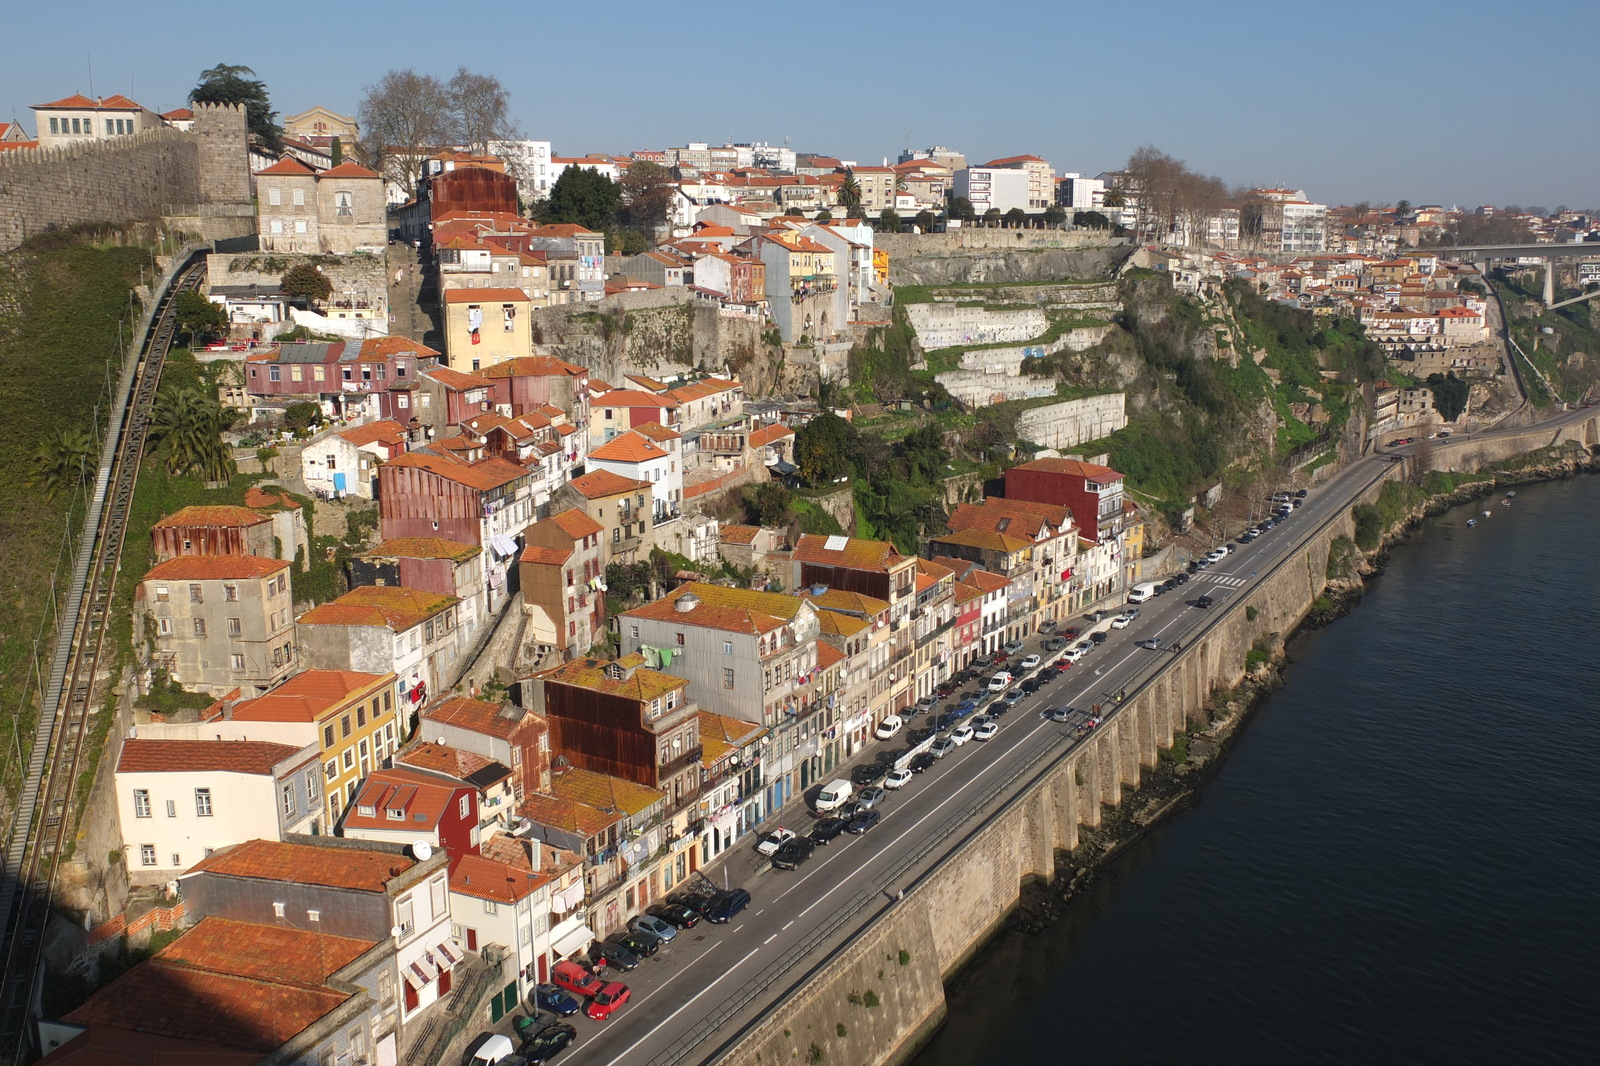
pixel 671 768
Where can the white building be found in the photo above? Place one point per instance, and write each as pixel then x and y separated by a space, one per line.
pixel 180 800
pixel 345 462
pixel 654 458
pixel 533 908
pixel 1078 193
pixel 991 188
pixel 529 163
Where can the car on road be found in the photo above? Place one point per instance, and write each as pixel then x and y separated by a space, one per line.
pixel 1011 647
pixel 576 978
pixel 960 735
pixel 1031 662
pixel 493 1050
pixel 871 797
pixel 1011 699
pixel 927 703
pixel 1122 621
pixel 1054 644
pixel 964 708
pixel 1078 651
pixel 613 956
pixel 539 1048
pixel 1204 602
pixel 557 1001
pixel 863 822
pixel 1152 643
pixel 607 1001
pixel 898 779
pixel 941 747
pixel 890 726
pixel 725 904
pixel 984 728
pixel 1182 579
pixel 869 773
pixel 662 930
pixel 1030 686
pixel 676 913
pixel 828 828
pixel 772 841
pixel 1217 555
pixel 999 681
pixel 921 761
pixel 1301 494
pixel 1099 637
pixel 793 853
pixel 1167 586
pixel 1057 714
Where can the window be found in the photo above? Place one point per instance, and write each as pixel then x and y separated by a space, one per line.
pixel 300 225
pixel 349 758
pixel 361 715
pixel 403 918
pixel 299 197
pixel 277 909
pixel 727 678
pixel 327 736
pixel 141 803
pixel 55 124
pixel 727 647
pixel 199 627
pixel 111 126
pixel 147 854
pixel 202 802
pixel 490 907
pixel 635 632
pixel 275 196
pixel 311 786
pixel 464 806
pixel 438 897
pixel 172 808
pixel 77 127
pixel 344 725
pixel 385 988
pixel 680 640
pixel 313 916
pixel 395 814
pixel 235 627
pixel 344 205
pixel 237 661
pixel 196 594
pixel 164 626
pixel 177 860
pixel 288 798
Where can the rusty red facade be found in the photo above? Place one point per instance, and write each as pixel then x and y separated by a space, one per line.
pixel 419 503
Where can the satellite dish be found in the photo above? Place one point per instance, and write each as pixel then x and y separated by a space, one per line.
pixel 395 932
pixel 422 850
pixel 440 742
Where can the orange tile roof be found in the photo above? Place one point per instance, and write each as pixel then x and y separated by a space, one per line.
pixel 604 792
pixel 567 815
pixel 383 431
pixel 598 484
pixel 848 602
pixel 979 538
pixel 703 388
pixel 828 655
pixel 537 366
pixel 728 619
pixel 424 799
pixel 215 568
pixel 443 759
pixel 739 534
pixel 766 435
pixel 308 695
pixel 78 100
pixel 540 555
pixel 996 520
pixel 480 716
pixel 987 580
pixel 386 347
pixel 357 869
pixel 657 432
pixel 213 515
pixel 1058 515
pixel 481 878
pixel 348 170
pixel 1078 467
pixel 575 524
pixel 720 734
pixel 288 166
pixel 856 554
pixel 390 606
pixel 627 448
pixel 485 296
pixel 632 398
pixel 640 683
pixel 201 756
pixel 423 548
pixel 483 475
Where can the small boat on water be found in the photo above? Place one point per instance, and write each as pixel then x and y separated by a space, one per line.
pixel 1511 494
pixel 1471 522
pixel 1486 514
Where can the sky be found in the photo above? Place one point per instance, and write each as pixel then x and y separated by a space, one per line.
pixel 1455 102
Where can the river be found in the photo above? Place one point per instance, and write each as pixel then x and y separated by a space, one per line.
pixel 1397 862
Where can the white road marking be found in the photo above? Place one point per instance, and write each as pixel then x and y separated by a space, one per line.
pixel 629 1049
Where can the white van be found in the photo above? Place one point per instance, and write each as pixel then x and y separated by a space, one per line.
pixel 834 794
pixel 1141 592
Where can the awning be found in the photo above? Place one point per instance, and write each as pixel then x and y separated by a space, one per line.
pixel 574 941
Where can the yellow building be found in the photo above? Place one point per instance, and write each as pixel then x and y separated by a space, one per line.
pixel 483 327
pixel 354 720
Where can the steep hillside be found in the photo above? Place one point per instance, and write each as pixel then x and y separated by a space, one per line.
pixel 1564 344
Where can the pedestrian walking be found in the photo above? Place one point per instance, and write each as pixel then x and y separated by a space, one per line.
pixel 900 895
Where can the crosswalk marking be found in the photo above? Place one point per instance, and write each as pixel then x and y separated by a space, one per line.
pixel 1227 582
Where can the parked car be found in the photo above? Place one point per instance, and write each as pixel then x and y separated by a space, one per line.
pixel 1099 637
pixel 1203 602
pixel 494 1050
pixel 1031 662
pixel 770 842
pixel 1300 494
pixel 556 1000
pixel 917 736
pixel 575 977
pixel 960 735
pixel 927 703
pixel 613 955
pixel 663 931
pixel 897 779
pixel 1077 651
pixel 891 723
pixel 984 728
pixel 607 1001
pixel 1012 698
pixel 922 761
pixel 1121 621
pixel 871 797
pixel 676 913
pixel 642 943
pixel 964 708
pixel 999 681
pixel 828 828
pixel 941 747
pixel 1047 627
pixel 869 773
pixel 544 1045
pixel 793 853
pixel 1054 644
pixel 1011 647
pixel 696 900
pixel 725 905
pixel 1058 714
pixel 1030 686
pixel 863 822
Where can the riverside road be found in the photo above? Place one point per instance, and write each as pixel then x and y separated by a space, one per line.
pixel 695 997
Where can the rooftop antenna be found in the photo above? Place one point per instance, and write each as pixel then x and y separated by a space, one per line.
pixel 89 58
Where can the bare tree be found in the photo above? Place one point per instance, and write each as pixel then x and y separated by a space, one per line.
pixel 402 115
pixel 479 107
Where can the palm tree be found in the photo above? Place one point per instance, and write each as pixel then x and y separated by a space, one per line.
pixel 850 190
pixel 63 462
pixel 1402 209
pixel 189 425
pixel 1113 201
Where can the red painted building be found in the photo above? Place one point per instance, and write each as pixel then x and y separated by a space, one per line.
pixel 377 376
pixel 530 382
pixel 422 494
pixel 401 806
pixel 1093 493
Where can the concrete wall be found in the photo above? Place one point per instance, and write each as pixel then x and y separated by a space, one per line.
pixel 994 375
pixel 1063 425
pixel 945 325
pixel 993 255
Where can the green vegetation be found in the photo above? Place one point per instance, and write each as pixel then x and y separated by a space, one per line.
pixel 166 696
pixel 1393 504
pixel 1178 754
pixel 1449 394
pixel 898 487
pixel 905 957
pixel 1342 558
pixel 1567 354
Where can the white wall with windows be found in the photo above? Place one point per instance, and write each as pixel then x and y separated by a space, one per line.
pixel 173 819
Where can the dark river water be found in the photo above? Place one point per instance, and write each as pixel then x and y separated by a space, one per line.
pixel 1397 863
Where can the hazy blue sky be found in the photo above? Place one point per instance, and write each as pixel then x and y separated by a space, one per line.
pixel 1447 101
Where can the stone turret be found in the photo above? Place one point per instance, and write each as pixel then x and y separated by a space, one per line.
pixel 224 153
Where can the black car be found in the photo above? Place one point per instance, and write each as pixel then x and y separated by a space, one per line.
pixel 555 1000
pixel 726 904
pixel 613 955
pixel 888 756
pixel 826 829
pixel 1301 494
pixel 869 773
pixel 1182 579
pixel 921 762
pixel 639 941
pixel 1099 636
pixel 862 822
pixel 548 1042
pixel 675 914
pixel 850 808
pixel 997 708
pixel 918 735
pixel 791 853
pixel 1032 685
pixel 1166 586
pixel 1203 602
pixel 696 901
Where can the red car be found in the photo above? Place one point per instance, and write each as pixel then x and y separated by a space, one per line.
pixel 607 1000
pixel 576 978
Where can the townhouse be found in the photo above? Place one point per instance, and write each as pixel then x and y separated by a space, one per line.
pixel 410 633
pixel 1093 493
pixel 218 622
pixel 271 531
pixel 510 735
pixel 402 805
pixel 562 573
pixel 624 508
pixel 344 462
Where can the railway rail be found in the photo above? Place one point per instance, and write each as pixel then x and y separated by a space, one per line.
pixel 45 818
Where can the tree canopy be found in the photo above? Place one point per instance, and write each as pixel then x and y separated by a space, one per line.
pixel 227 83
pixel 584 196
pixel 197 315
pixel 649 190
pixel 823 448
pixel 307 281
pixel 1449 395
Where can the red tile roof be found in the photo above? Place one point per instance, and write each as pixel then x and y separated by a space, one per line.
pixel 217 515
pixel 537 366
pixel 200 756
pixel 383 431
pixel 456 379
pixel 215 568
pixel 627 448
pixel 357 869
pixel 348 170
pixel 308 695
pixel 423 548
pixel 443 759
pixel 385 347
pixel 575 524
pixel 423 798
pixel 599 484
pixel 855 554
pixel 1078 467
pixel 392 607
pixel 481 878
pixel 483 475
pixel 739 534
pixel 479 716
pixel 766 435
pixel 288 166
pixel 638 683
pixel 538 554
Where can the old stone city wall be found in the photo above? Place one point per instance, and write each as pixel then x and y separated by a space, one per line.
pixel 150 174
pixel 999 255
pixel 653 334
